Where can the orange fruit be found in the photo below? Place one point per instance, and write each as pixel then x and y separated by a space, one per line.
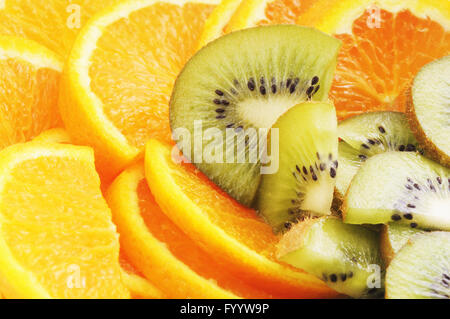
pixel 231 233
pixel 161 251
pixel 385 43
pixel 119 76
pixel 57 239
pixel 139 287
pixel 55 135
pixel 52 23
pixel 232 15
pixel 29 82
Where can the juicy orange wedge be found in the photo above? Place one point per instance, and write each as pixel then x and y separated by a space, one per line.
pixel 161 251
pixel 232 234
pixel 385 43
pixel 57 239
pixel 29 82
pixel 137 284
pixel 52 23
pixel 120 73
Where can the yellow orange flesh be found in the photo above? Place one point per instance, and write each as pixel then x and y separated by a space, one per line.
pixel 56 234
pixel 29 85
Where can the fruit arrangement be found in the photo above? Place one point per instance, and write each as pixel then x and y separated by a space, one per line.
pixel 224 149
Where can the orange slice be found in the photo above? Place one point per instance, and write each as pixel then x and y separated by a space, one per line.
pixel 140 288
pixel 232 234
pixel 56 135
pixel 161 251
pixel 29 82
pixel 57 239
pixel 52 23
pixel 385 43
pixel 120 74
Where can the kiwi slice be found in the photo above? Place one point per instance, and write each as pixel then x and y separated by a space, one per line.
pixel 242 82
pixel 345 256
pixel 428 109
pixel 307 166
pixel 393 237
pixel 368 134
pixel 405 188
pixel 421 269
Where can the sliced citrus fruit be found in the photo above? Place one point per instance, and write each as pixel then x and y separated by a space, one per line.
pixel 52 23
pixel 232 234
pixel 385 43
pixel 137 284
pixel 55 243
pixel 29 82
pixel 232 15
pixel 120 74
pixel 55 135
pixel 161 250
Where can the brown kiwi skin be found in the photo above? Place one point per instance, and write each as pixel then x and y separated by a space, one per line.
pixel 387 253
pixel 431 150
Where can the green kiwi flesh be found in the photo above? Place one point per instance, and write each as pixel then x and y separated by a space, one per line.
pixel 307 166
pixel 421 269
pixel 393 237
pixel 428 109
pixel 401 187
pixel 346 257
pixel 245 80
pixel 366 135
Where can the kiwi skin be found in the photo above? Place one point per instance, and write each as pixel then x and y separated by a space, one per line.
pixel 431 150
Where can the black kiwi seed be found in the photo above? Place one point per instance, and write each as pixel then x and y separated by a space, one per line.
pixel 413 225
pixel 317 89
pixel 287 225
pixel 336 164
pixel 305 171
pixel 288 82
pixel 225 102
pixel 411 206
pixel 410 148
pixel 332 172
pixel 330 156
pixel 314 176
pixel 396 217
pixel 365 146
pixel 251 84
pixel 318 155
pixel 219 117
pixel 220 110
pixel 343 277
pixel 324 277
pixel 274 88
pixel 323 166
pixel 310 90
pixel 401 148
pixel 350 274
pixel 217 101
pixel 262 81
pixel 439 180
pixel 315 80
pixel 417 186
pixel 408 216
pixel 409 187
pixel 371 142
pixel 230 125
pixel 363 157
pixel 219 92
pixel 333 277
pixel 297 168
pixel 381 129
pixel 262 90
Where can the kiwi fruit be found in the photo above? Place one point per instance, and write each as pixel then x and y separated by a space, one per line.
pixel 421 269
pixel 401 187
pixel 393 237
pixel 428 109
pixel 366 135
pixel 242 82
pixel 346 257
pixel 307 166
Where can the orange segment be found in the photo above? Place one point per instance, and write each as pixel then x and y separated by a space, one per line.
pixel 161 250
pixel 232 234
pixel 56 135
pixel 140 288
pixel 120 75
pixel 54 242
pixel 29 85
pixel 385 43
pixel 52 23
